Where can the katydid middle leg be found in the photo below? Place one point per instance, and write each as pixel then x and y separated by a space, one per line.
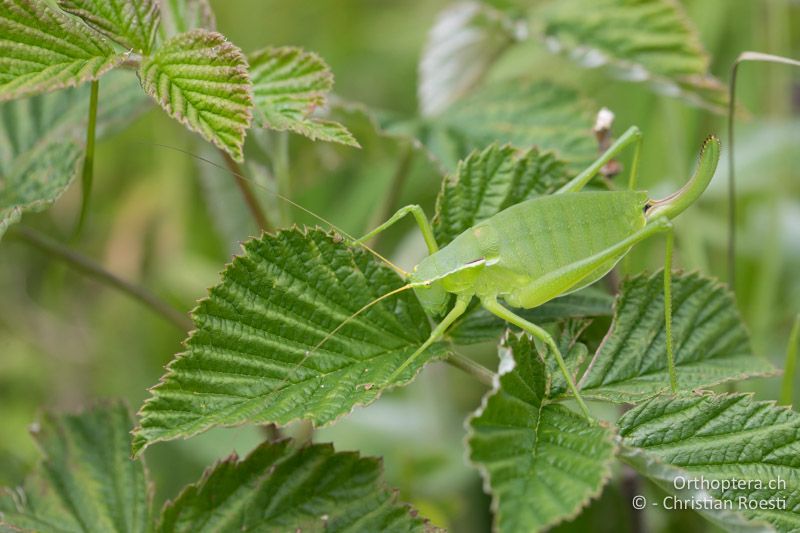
pixel 462 301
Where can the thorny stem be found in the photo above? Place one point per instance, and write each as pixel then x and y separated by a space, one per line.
pixel 253 205
pixel 87 175
pixel 399 178
pixel 92 269
pixel 476 370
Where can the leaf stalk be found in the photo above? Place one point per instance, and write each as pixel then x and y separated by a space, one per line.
pixel 87 175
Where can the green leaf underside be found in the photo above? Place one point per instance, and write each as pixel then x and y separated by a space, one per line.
pixel 288 85
pixel 86 482
pixel 278 488
pixel 520 112
pixel 37 180
pixel 43 49
pixel 41 141
pixel 252 359
pixel 541 462
pixel 201 80
pixel 132 24
pixel 480 325
pixel 179 16
pixel 711 342
pixel 640 40
pixel 720 437
pixel 463 44
pixel 490 181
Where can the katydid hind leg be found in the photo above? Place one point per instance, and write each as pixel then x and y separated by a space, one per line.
pixel 494 307
pixel 438 332
pixel 419 217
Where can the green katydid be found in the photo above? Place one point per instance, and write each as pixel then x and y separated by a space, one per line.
pixel 539 249
pixel 543 248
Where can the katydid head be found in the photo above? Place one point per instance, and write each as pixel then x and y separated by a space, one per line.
pixel 428 288
pixel 679 201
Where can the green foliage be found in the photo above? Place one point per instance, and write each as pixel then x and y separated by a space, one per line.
pixel 720 437
pixel 463 44
pixel 279 488
pixel 36 181
pixel 44 142
pixel 288 85
pixel 256 356
pixel 86 482
pixel 44 49
pixel 201 80
pixel 541 461
pixel 487 182
pixel 131 23
pixel 519 112
pixel 179 16
pixel 711 342
pixel 640 40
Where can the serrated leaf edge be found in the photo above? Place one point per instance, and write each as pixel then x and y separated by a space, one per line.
pixel 613 440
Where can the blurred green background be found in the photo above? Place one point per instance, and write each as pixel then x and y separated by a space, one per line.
pixel 162 220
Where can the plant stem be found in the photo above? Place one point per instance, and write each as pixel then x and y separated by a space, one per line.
pixel 399 177
pixel 87 175
pixel 247 191
pixel 90 268
pixel 280 157
pixel 476 370
pixel 787 386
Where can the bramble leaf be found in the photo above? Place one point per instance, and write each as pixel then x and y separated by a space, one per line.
pixel 43 140
pixel 489 181
pixel 201 80
pixel 180 16
pixel 680 441
pixel 288 85
pixel 43 49
pixel 131 23
pixel 519 112
pixel 279 488
pixel 254 357
pixel 87 480
pixel 35 182
pixel 711 342
pixel 541 462
pixel 463 44
pixel 639 40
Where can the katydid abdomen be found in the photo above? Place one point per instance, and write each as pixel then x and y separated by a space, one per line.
pixel 535 250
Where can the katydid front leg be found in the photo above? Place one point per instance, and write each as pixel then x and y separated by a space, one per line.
pixel 419 217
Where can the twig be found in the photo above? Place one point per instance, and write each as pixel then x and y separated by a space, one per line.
pixel 247 192
pixel 89 267
pixel 743 57
pixel 476 370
